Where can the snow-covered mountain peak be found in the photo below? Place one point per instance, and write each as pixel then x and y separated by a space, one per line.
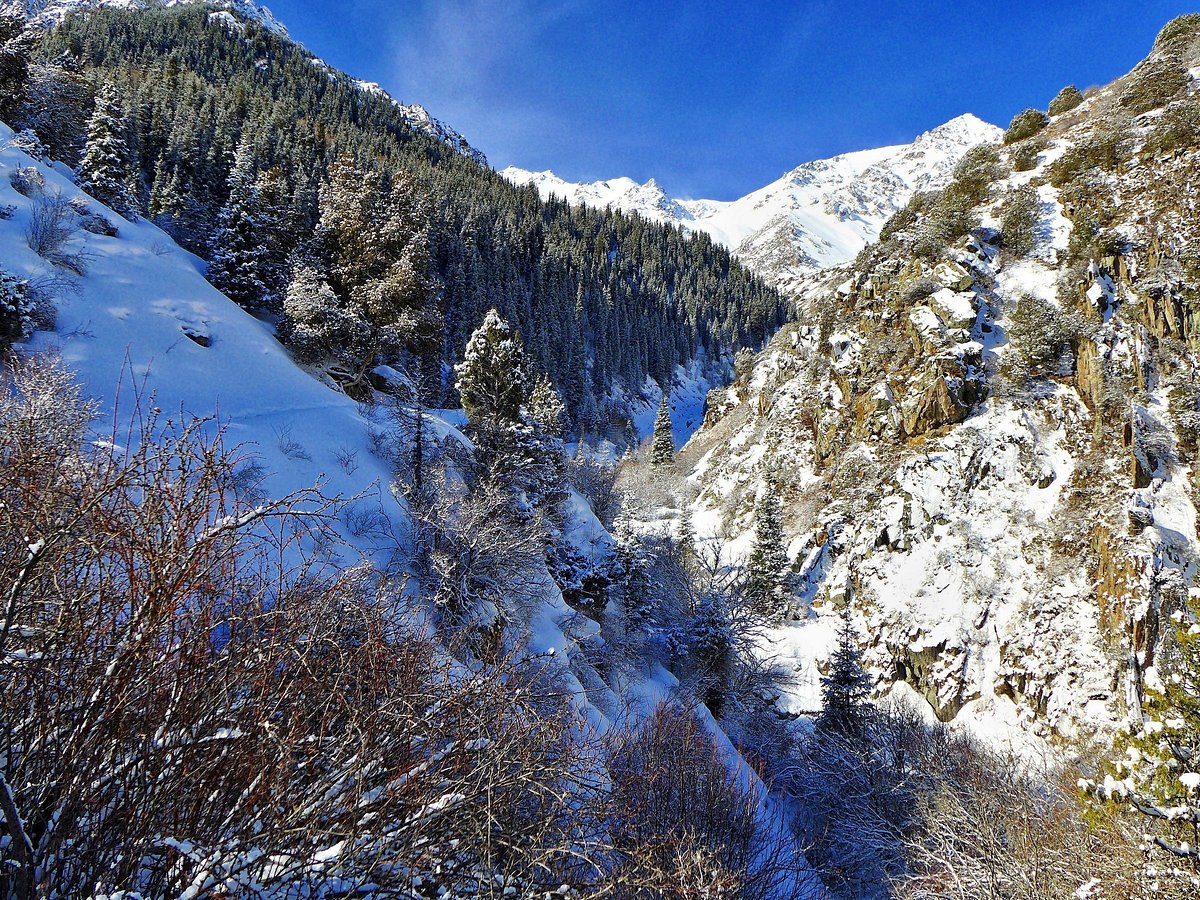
pixel 819 214
pixel 51 12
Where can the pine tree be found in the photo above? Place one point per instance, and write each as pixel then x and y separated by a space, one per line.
pixel 640 593
pixel 237 249
pixel 709 640
pixel 319 326
pixel 766 575
pixel 491 377
pixel 546 408
pixel 845 690
pixel 14 64
pixel 106 169
pixel 662 445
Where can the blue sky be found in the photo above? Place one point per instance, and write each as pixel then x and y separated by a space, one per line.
pixel 717 99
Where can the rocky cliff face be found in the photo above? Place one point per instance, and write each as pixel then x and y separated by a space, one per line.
pixel 985 428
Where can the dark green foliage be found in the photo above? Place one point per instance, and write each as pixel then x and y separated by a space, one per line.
pixel 1025 156
pixel 14 65
pixel 662 445
pixel 1179 30
pixel 491 377
pixel 1025 125
pixel 767 567
pixel 1178 128
pixel 1104 149
pixel 1065 100
pixel 1153 84
pixel 976 171
pixel 1018 219
pixel 17 311
pixel 601 299
pixel 1043 333
pixel 847 687
pixel 106 170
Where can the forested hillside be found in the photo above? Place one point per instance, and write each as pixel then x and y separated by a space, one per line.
pixel 601 299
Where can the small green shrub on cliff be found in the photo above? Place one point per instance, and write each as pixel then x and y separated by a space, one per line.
pixel 976 171
pixel 1043 333
pixel 1019 218
pixel 1104 149
pixel 1025 125
pixel 1065 101
pixel 1025 156
pixel 1153 85
pixel 1178 30
pixel 1178 128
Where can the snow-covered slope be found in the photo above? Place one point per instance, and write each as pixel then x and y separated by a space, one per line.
pixel 819 214
pixel 50 12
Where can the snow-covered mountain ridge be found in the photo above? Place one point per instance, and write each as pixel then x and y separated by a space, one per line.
pixel 48 13
pixel 820 214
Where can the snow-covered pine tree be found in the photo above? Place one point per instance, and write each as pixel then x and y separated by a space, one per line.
pixel 17 311
pixel 766 569
pixel 639 591
pixel 685 541
pixel 546 408
pixel 14 64
pixel 318 326
pixel 845 690
pixel 236 248
pixel 491 377
pixel 662 445
pixel 709 641
pixel 106 170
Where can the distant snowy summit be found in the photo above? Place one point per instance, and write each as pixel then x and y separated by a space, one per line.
pixel 51 12
pixel 48 13
pixel 819 214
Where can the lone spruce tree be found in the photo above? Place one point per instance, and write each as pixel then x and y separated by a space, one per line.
pixel 491 377
pixel 844 691
pixel 106 169
pixel 662 445
pixel 237 246
pixel 766 577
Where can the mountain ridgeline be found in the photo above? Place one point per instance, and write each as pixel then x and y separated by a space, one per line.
pixel 602 299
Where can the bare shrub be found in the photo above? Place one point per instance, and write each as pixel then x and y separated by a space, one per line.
pixel 288 445
pixel 52 226
pixel 684 822
pixel 596 481
pixel 193 707
pixel 921 812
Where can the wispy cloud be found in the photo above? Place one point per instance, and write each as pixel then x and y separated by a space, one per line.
pixel 462 59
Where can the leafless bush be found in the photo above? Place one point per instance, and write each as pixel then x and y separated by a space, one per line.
pixel 288 445
pixel 687 825
pixel 597 482
pixel 52 226
pixel 921 812
pixel 193 708
pixel 347 458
